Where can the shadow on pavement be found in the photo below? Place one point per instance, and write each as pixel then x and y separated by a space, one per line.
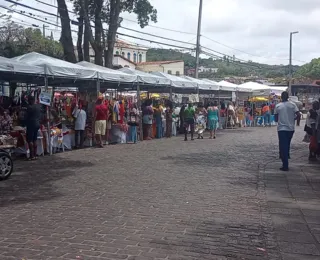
pixel 34 181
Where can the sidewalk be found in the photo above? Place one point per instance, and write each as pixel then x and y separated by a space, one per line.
pixel 293 200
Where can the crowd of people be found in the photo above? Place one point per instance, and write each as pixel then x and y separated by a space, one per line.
pixel 167 121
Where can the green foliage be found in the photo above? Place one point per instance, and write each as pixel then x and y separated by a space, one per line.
pixel 310 70
pixel 226 67
pixel 16 40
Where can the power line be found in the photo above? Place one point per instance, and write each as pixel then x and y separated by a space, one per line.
pixel 165 38
pixel 126 35
pixel 75 23
pixel 250 54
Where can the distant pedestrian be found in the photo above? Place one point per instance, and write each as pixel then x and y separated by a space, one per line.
pixel 33 126
pixel 80 116
pixel 189 115
pixel 285 113
pixel 101 116
pixel 213 119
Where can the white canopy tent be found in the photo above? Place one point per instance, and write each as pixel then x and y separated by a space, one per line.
pixel 55 67
pixel 278 90
pixel 9 65
pixel 147 78
pixel 109 74
pixel 202 84
pixel 177 82
pixel 227 86
pixel 256 88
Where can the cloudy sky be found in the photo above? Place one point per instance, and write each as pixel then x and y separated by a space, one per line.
pixel 256 30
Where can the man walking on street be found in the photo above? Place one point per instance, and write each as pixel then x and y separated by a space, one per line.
pixel 101 116
pixel 285 113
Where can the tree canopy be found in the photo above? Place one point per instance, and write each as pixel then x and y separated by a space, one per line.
pixel 92 14
pixel 310 70
pixel 16 40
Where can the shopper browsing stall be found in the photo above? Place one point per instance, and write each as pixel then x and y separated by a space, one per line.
pixel 101 115
pixel 33 125
pixel 80 116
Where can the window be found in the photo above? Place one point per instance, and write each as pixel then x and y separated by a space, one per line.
pixel 129 56
pixel 140 58
pixel 123 54
pixel 117 53
pixel 134 57
pixel 169 72
pixel 177 73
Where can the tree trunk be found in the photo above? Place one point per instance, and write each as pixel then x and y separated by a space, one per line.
pixel 112 32
pixel 88 31
pixel 66 36
pixel 86 38
pixel 80 36
pixel 98 56
pixel 86 44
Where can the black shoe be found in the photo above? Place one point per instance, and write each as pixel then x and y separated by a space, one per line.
pixel 186 139
pixel 284 169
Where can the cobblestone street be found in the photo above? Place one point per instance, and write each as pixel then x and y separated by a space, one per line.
pixel 165 199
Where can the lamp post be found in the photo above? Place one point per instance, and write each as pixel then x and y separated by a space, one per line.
pixel 290 63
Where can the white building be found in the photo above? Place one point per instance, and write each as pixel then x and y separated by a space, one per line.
pixel 174 67
pixel 126 54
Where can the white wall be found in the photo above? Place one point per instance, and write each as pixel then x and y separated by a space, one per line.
pixel 173 67
pixel 118 61
pixel 132 52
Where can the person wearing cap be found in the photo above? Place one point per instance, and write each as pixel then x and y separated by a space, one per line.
pixel 101 116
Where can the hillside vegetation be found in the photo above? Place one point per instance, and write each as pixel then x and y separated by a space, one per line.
pixel 226 67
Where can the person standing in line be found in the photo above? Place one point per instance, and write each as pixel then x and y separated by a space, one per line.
pixel 266 115
pixel 147 116
pixel 100 126
pixel 169 120
pixel 80 124
pixel 285 113
pixel 213 119
pixel 181 117
pixel 33 117
pixel 189 115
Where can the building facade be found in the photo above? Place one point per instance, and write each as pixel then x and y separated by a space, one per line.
pixel 175 67
pixel 125 54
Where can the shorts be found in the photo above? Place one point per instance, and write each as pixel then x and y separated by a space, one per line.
pixel 32 133
pixel 100 127
pixel 189 122
pixel 109 125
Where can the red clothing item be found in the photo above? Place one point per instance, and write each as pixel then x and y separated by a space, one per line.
pixel 101 112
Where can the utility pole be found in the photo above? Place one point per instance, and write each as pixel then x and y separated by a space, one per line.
pixel 290 64
pixel 44 30
pixel 198 40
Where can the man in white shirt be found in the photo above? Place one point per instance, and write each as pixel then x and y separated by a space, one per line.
pixel 285 114
pixel 80 124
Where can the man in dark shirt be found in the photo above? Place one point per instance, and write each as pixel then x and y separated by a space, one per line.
pixel 33 125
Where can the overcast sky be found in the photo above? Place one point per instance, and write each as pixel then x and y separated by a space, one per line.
pixel 256 30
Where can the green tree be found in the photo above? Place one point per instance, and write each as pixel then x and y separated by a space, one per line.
pixel 16 40
pixel 100 12
pixel 310 70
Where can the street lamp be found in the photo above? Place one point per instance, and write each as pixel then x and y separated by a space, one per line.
pixel 290 63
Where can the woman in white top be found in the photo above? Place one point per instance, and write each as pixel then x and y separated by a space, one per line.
pixel 80 116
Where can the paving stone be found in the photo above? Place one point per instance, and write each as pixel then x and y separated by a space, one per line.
pixel 164 199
